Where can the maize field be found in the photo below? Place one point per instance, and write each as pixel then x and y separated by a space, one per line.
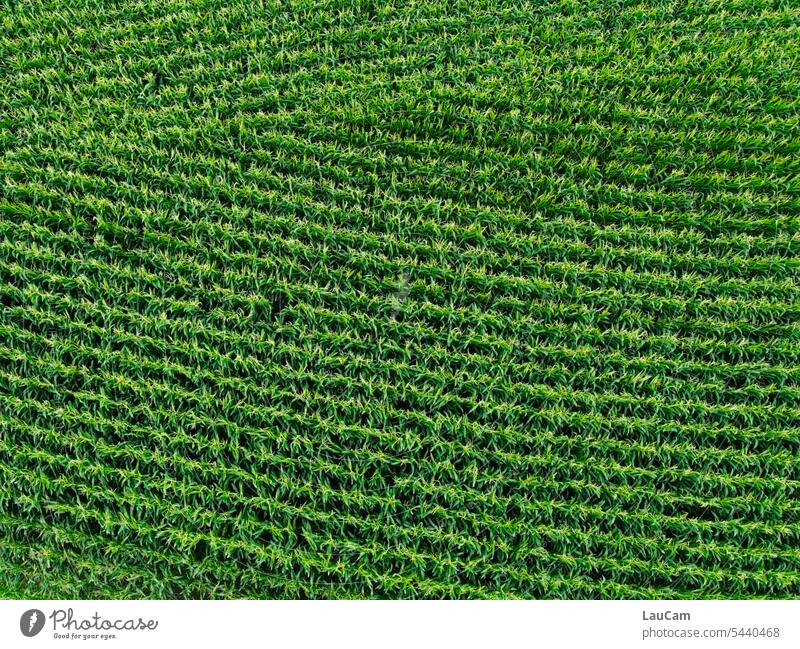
pixel 379 299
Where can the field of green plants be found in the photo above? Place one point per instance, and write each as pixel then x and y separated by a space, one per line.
pixel 430 299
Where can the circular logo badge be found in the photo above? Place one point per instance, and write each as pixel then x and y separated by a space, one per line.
pixel 31 622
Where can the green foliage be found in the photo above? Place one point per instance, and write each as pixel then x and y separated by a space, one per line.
pixel 339 299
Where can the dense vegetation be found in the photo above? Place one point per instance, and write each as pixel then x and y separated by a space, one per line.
pixel 462 298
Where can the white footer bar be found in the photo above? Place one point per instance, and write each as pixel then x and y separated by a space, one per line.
pixel 400 624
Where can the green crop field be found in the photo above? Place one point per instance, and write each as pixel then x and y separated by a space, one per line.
pixel 433 299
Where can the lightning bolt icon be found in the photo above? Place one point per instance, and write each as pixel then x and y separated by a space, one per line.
pixel 32 621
